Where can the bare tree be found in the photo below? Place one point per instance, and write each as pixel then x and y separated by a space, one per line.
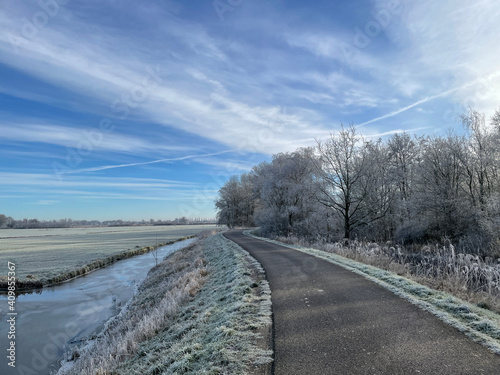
pixel 495 121
pixel 378 192
pixel 403 155
pixel 481 159
pixel 343 167
pixel 439 200
pixel 406 188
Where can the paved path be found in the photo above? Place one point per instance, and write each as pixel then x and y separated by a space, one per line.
pixel 328 320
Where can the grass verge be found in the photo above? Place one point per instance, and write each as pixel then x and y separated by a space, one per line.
pixel 205 309
pixel 482 325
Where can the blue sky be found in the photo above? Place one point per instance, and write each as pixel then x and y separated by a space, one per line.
pixel 142 109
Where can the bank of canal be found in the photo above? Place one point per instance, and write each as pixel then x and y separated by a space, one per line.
pixel 53 319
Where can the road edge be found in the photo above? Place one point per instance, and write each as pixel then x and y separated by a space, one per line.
pixel 268 334
pixel 482 326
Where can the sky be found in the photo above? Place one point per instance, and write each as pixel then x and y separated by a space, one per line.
pixel 143 109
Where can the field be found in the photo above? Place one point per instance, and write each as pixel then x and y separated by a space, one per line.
pixel 45 256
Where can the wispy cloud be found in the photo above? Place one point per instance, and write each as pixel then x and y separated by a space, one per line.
pixel 271 78
pixel 91 139
pixel 96 69
pixel 46 202
pixel 39 181
pixel 452 44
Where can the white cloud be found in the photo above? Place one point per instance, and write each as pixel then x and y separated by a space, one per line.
pixel 44 181
pixel 47 190
pixel 319 44
pixel 228 166
pixel 455 44
pixel 436 47
pixel 46 202
pixel 86 139
pixel 98 70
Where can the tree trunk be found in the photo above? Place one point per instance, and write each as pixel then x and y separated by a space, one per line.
pixel 347 227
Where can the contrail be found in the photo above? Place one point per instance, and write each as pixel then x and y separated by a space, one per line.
pixel 104 167
pixel 426 99
pixel 421 101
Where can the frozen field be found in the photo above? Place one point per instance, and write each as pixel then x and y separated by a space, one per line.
pixel 46 253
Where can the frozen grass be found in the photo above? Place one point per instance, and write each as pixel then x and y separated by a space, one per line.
pixel 49 256
pixel 204 310
pixel 480 324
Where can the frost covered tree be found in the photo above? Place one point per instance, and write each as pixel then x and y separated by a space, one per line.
pixel 482 158
pixel 405 188
pixel 236 202
pixel 495 121
pixel 3 220
pixel 343 169
pixel 403 159
pixel 378 192
pixel 403 152
pixel 286 191
pixel 481 163
pixel 439 202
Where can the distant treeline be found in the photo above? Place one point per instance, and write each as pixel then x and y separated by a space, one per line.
pixel 9 222
pixel 405 189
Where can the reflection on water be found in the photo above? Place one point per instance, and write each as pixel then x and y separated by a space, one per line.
pixel 22 292
pixel 52 319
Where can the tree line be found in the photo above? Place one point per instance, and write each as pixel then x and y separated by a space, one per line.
pixel 7 222
pixel 406 188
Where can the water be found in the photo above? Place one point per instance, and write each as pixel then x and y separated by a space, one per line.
pixel 54 319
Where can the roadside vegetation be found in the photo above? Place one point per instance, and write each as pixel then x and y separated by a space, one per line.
pixel 427 207
pixel 205 309
pixel 480 324
pixel 50 256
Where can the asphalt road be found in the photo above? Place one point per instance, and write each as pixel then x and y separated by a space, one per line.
pixel 328 320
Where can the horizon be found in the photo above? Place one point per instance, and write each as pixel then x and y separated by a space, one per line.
pixel 88 222
pixel 144 111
